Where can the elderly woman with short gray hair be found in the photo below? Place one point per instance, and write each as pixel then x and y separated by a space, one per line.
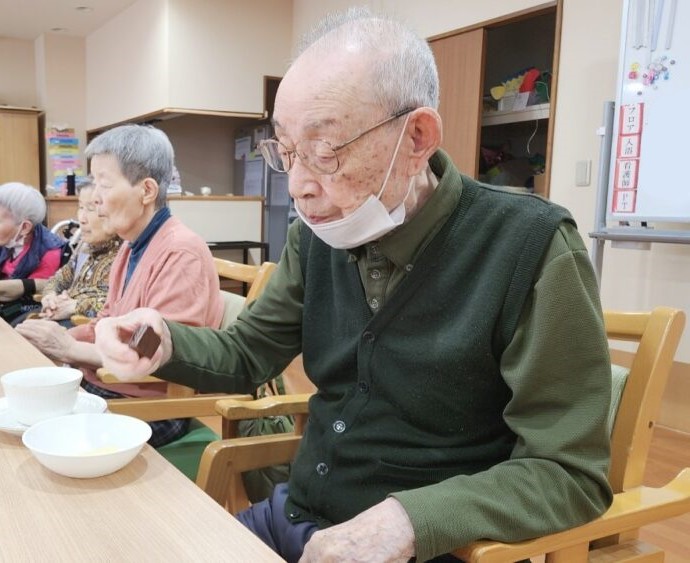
pixel 29 253
pixel 162 264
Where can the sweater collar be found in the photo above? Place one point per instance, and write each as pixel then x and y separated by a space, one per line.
pixel 142 241
pixel 404 244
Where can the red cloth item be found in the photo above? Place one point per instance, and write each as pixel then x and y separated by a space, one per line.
pixel 529 80
pixel 48 265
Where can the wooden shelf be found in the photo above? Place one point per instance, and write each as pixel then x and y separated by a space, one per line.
pixel 171 113
pixel 530 113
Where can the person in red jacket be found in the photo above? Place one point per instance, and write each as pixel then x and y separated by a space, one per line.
pixel 29 253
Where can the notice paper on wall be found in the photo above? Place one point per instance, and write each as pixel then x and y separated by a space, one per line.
pixel 253 177
pixel 243 146
pixel 64 156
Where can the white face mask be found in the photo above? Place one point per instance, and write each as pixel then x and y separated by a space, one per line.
pixel 16 244
pixel 368 222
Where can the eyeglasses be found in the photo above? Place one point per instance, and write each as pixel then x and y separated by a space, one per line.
pixel 316 154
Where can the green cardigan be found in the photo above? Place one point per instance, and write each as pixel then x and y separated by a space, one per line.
pixel 479 428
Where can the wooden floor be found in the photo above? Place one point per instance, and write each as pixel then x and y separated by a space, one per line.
pixel 669 453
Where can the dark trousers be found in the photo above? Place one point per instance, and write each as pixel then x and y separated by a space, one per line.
pixel 267 520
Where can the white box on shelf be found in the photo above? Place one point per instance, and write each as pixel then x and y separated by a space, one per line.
pixel 506 103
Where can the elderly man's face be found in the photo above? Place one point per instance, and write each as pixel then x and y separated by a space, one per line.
pixel 330 99
pixel 119 203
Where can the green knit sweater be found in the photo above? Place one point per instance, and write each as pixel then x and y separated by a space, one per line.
pixel 479 428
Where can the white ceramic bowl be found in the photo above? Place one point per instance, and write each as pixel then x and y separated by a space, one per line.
pixel 87 445
pixel 36 394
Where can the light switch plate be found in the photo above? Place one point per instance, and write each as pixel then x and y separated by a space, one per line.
pixel 582 172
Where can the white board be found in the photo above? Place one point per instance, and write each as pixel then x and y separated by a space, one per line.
pixel 649 178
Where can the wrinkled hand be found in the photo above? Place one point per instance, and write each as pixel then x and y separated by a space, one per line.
pixel 113 334
pixel 58 307
pixel 49 337
pixel 382 533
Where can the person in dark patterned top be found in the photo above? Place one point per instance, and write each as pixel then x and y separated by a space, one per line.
pixel 81 286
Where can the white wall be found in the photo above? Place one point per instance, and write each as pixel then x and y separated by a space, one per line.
pixel 126 65
pixel 220 50
pixel 61 86
pixel 189 54
pixel 17 73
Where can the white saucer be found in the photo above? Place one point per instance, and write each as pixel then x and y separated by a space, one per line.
pixel 86 403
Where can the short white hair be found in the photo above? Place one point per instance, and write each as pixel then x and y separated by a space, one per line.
pixel 403 73
pixel 23 202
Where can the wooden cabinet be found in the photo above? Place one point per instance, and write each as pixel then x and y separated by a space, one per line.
pixel 20 154
pixel 473 60
pixel 61 208
pixel 460 61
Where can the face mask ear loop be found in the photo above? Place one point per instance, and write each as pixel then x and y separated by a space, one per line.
pixel 17 242
pixel 395 155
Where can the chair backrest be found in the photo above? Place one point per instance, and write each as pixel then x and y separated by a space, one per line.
pixel 613 536
pixel 657 334
pixel 69 230
pixel 256 276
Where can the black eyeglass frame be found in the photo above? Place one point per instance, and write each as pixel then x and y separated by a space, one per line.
pixel 263 145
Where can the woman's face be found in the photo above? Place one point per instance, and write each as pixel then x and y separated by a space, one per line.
pixel 119 203
pixel 9 227
pixel 93 228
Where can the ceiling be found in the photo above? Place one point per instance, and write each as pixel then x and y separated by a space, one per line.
pixel 28 19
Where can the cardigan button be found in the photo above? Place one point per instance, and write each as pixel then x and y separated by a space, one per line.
pixel 294 514
pixel 363 387
pixel 339 426
pixel 322 469
pixel 368 337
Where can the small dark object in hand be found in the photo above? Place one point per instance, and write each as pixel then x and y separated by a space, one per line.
pixel 144 341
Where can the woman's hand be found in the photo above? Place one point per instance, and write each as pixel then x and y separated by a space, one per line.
pixel 49 337
pixel 57 307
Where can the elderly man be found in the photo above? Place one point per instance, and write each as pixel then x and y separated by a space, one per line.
pixel 163 265
pixel 453 330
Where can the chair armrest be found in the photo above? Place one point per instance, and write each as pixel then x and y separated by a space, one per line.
pixel 108 377
pixel 274 405
pixel 630 510
pixel 163 408
pixel 223 461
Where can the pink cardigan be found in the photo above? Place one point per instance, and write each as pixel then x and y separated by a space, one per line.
pixel 176 276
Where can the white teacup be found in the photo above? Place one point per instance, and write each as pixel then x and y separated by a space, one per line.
pixel 35 394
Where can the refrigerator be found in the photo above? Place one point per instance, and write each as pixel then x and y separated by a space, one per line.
pixel 253 177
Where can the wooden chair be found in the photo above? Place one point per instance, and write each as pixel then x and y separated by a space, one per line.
pixel 185 402
pixel 174 405
pixel 612 537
